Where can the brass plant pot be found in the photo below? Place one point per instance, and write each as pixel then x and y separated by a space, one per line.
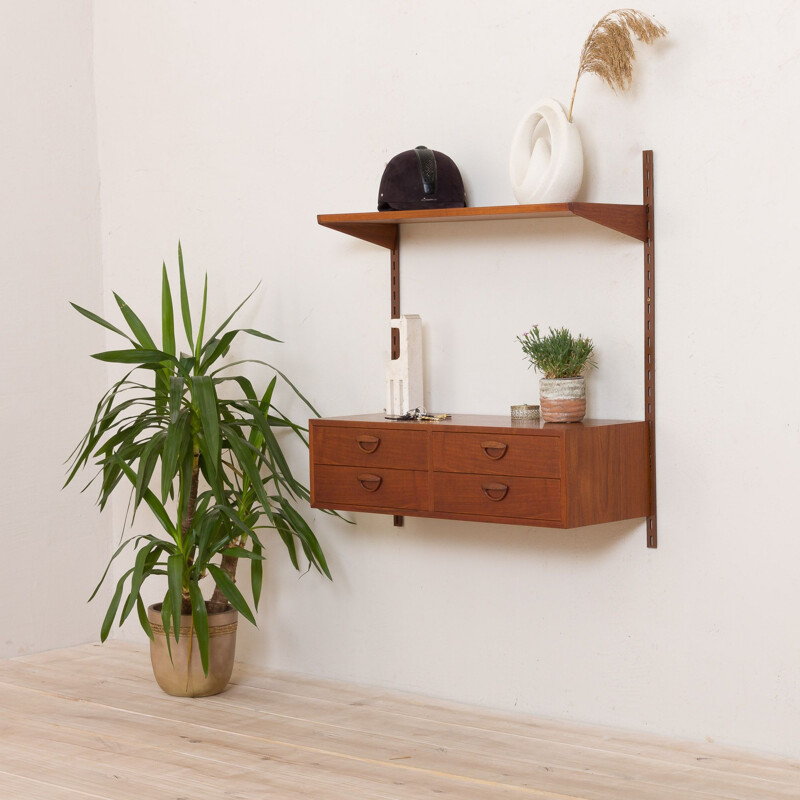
pixel 562 399
pixel 182 676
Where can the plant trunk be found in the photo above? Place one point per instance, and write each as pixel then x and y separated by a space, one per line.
pixel 186 604
pixel 218 602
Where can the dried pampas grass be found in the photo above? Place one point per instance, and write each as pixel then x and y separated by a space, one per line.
pixel 609 53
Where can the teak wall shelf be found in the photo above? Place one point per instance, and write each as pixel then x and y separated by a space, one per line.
pixel 420 490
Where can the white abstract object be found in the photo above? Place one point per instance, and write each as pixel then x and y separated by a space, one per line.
pixel 546 163
pixel 404 374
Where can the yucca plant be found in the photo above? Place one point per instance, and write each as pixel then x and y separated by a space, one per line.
pixel 223 480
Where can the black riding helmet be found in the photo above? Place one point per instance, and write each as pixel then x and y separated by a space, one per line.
pixel 421 178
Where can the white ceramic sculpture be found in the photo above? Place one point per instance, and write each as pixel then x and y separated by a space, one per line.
pixel 546 162
pixel 404 374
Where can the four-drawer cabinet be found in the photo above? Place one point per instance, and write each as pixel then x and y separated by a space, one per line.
pixel 482 468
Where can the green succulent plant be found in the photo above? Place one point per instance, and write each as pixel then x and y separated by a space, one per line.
pixel 223 478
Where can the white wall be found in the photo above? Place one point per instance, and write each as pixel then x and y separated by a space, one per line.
pixel 232 125
pixel 54 543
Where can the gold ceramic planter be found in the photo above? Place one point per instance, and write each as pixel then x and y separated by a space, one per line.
pixel 182 676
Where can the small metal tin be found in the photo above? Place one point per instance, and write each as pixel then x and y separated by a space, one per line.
pixel 524 412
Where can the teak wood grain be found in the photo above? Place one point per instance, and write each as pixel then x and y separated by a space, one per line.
pixel 397 449
pixel 496 454
pixel 502 496
pixel 381 227
pixel 483 469
pixel 394 489
pixel 607 474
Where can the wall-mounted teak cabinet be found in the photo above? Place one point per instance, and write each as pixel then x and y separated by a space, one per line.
pixel 482 468
pixel 485 468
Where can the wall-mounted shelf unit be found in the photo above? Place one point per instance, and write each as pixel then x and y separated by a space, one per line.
pixel 383 228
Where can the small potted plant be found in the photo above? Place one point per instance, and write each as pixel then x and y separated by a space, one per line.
pixel 561 358
pixel 188 436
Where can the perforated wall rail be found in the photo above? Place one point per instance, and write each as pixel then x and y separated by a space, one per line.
pixel 395 299
pixel 650 338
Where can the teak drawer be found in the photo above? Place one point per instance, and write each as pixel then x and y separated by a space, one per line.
pixel 402 489
pixel 370 447
pixel 532 456
pixel 497 496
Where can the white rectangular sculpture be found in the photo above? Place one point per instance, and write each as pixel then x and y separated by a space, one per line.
pixel 404 374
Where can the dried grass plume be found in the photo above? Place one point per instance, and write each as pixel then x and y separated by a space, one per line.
pixel 609 53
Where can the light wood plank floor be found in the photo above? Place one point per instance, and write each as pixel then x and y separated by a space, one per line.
pixel 89 722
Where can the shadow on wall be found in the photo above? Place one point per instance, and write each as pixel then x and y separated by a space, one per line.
pixel 522 540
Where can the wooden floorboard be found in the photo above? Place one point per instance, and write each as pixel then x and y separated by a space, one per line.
pixel 89 722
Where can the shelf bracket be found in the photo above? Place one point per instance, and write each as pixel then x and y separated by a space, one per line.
pixel 382 235
pixel 630 220
pixel 650 337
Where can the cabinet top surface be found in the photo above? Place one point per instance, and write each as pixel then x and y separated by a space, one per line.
pixel 468 422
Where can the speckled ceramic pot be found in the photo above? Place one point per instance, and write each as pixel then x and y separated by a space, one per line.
pixel 562 399
pixel 182 676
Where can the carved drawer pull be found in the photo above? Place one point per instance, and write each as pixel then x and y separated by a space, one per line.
pixel 495 491
pixel 495 450
pixel 368 444
pixel 370 483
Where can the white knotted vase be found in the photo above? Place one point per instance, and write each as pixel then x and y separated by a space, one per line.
pixel 546 163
